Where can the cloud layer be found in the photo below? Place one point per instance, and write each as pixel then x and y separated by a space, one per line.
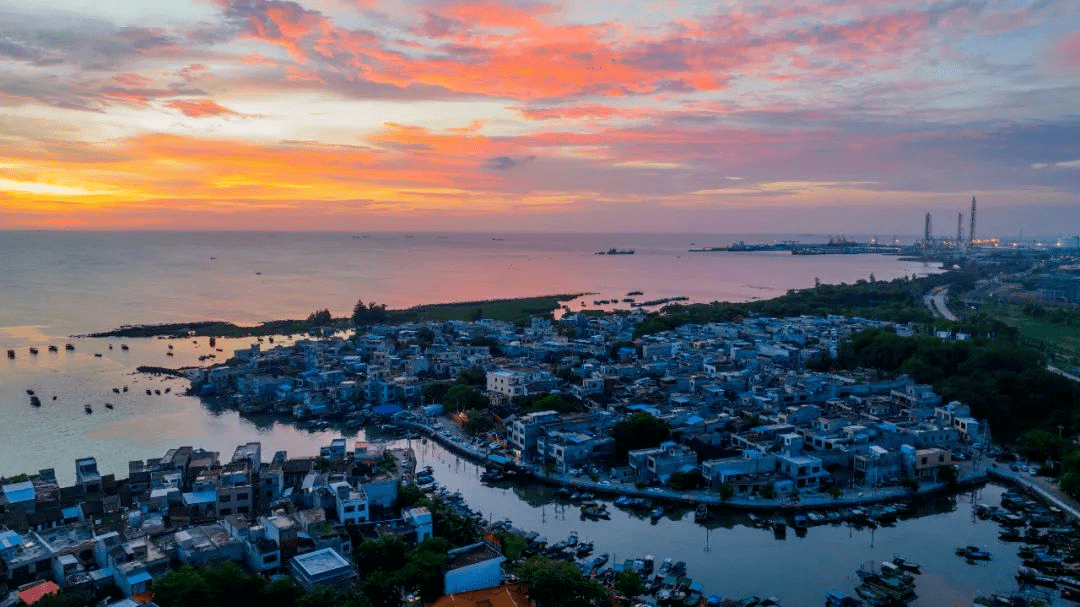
pixel 451 114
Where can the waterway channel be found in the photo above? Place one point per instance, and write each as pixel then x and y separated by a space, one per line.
pixel 733 559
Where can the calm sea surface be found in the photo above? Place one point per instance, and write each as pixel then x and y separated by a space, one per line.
pixel 55 285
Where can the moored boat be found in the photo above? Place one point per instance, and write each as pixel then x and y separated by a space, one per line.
pixel 701 513
pixel 973 553
pixel 53 349
pixel 904 563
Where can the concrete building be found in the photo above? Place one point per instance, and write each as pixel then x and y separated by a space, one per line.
pixel 473 567
pixel 324 567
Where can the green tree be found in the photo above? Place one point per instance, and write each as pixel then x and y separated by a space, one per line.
pixel 473 376
pixel 461 397
pixel 426 567
pixel 559 584
pixel 546 402
pixel 727 491
pixel 321 596
pixel 382 587
pixel 629 584
pixel 1040 445
pixel 282 592
pixel 639 431
pixel 479 422
pixel 435 392
pixel 948 474
pixel 513 545
pixel 389 552
pixel 369 314
pixel 320 317
pixel 184 587
pixel 1070 473
pixel 686 481
pixel 66 598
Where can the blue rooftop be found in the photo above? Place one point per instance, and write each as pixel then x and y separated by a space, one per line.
pixel 9 539
pixel 17 493
pixel 137 578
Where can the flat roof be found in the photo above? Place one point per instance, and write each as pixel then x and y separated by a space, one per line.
pixel 320 562
pixel 36 593
pixel 472 554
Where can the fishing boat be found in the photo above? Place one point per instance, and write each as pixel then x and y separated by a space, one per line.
pixel 125 388
pixel 88 409
pixel 29 391
pixel 701 513
pixel 595 510
pixel 33 350
pixel 116 390
pixel 35 401
pixel 904 563
pixel 11 353
pixel 69 347
pixel 108 405
pixel 148 391
pixel 973 553
pixel 53 349
pixel 124 347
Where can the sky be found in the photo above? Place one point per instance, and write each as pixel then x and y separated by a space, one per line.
pixel 656 115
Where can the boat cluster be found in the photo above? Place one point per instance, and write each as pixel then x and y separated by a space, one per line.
pixel 892 583
pixel 1050 549
pixel 885 515
pixel 668 583
pixel 34 350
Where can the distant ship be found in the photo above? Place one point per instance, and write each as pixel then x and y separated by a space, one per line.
pixel 614 251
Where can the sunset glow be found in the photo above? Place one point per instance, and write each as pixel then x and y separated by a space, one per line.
pixel 475 114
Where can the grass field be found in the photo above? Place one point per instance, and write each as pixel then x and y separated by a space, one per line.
pixel 1063 341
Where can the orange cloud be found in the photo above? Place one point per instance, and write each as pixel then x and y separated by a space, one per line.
pixel 200 108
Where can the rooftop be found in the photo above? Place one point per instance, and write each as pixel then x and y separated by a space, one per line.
pixel 320 562
pixel 472 554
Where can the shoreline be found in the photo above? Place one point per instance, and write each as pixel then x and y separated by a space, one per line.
pixel 692 498
pixel 434 311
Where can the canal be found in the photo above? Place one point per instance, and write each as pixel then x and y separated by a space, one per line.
pixel 734 560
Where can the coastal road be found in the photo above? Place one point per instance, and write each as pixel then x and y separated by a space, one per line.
pixel 1063 373
pixel 935 300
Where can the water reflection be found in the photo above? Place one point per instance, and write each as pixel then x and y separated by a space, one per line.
pixel 734 559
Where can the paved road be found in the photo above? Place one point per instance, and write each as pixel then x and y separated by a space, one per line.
pixel 935 300
pixel 1063 373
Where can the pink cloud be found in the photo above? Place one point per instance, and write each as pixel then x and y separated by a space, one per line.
pixel 200 108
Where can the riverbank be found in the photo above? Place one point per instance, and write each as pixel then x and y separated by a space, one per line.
pixel 816 501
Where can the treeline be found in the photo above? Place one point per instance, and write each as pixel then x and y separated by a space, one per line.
pixel 1057 315
pixel 1003 382
pixel 898 300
